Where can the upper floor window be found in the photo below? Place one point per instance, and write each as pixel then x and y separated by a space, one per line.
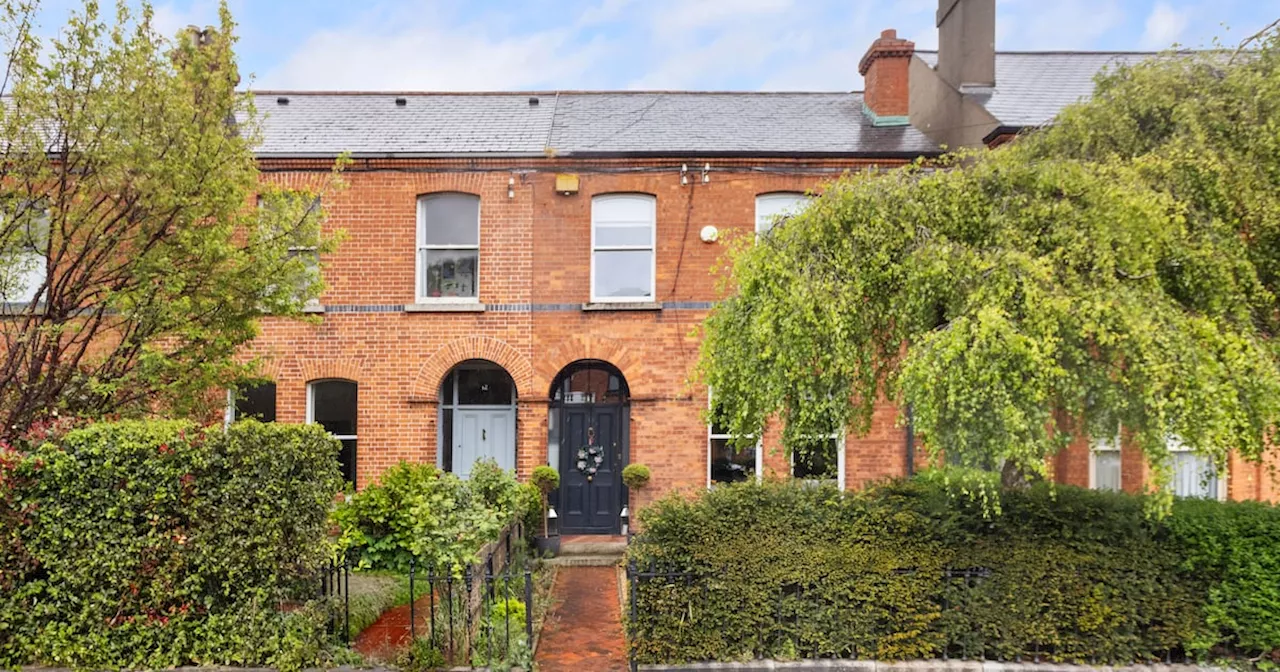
pixel 299 247
pixel 775 207
pixel 622 247
pixel 449 247
pixel 25 238
pixel 332 404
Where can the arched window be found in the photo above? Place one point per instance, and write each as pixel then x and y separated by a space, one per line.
pixel 448 247
pixel 590 382
pixel 333 405
pixel 477 417
pixel 775 207
pixel 622 244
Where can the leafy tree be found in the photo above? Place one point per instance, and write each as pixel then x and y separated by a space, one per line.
pixel 134 261
pixel 1118 269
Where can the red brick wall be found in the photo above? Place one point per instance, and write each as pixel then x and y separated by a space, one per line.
pixel 535 249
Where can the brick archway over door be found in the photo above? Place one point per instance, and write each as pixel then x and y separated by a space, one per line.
pixel 579 347
pixel 426 384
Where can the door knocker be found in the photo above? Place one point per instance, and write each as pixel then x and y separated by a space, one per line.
pixel 590 456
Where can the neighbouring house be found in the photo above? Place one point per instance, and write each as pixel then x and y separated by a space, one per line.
pixel 522 273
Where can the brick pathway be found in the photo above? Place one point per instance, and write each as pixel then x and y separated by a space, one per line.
pixel 584 632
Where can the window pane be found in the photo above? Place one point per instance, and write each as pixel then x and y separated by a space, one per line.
pixel 347 460
pixel 1194 475
pixel 626 274
pixel 24 262
pixel 591 385
pixel 484 387
pixel 623 208
pixel 311 262
pixel 815 459
pixel 334 406
pixel 446 440
pixel 1106 470
pixel 729 465
pixel 624 235
pixel 770 208
pixel 258 402
pixel 450 273
pixel 446 390
pixel 451 219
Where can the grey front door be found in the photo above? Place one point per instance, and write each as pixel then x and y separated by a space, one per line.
pixel 591 503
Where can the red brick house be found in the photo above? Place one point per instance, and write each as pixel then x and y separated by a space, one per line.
pixel 522 274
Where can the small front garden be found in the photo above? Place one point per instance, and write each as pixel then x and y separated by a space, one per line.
pixel 905 570
pixel 158 544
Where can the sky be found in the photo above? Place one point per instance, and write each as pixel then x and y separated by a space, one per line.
pixel 751 45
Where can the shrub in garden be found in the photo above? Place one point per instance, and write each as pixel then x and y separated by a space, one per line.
pixel 416 510
pixel 782 570
pixel 158 544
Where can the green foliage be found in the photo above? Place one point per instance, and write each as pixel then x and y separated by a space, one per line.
pixel 1119 267
pixel 415 510
pixel 421 655
pixel 788 571
pixel 501 642
pixel 129 174
pixel 159 544
pixel 545 478
pixel 636 476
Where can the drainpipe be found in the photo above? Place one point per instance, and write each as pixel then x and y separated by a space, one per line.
pixel 911 443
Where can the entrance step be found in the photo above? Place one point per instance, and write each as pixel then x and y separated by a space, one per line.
pixel 585 560
pixel 590 550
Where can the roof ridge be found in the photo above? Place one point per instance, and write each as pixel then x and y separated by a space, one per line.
pixel 569 92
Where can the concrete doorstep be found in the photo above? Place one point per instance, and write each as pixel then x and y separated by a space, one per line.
pixel 920 666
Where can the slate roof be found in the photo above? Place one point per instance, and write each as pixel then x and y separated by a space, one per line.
pixel 1033 87
pixel 578 124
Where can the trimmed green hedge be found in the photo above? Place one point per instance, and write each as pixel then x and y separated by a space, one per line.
pixel 158 544
pixel 786 571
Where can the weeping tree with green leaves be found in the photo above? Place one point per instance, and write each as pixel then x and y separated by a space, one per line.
pixel 1118 269
pixel 138 248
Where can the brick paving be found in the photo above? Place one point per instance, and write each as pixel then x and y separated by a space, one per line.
pixel 584 632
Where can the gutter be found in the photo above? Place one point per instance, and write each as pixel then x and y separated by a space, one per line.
pixel 901 155
pixel 1003 129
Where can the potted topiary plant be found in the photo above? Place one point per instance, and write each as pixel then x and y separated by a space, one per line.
pixel 545 479
pixel 636 478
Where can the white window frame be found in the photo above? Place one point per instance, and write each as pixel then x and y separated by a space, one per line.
pixel 794 198
pixel 651 248
pixel 39 271
pixel 311 408
pixel 1175 445
pixel 840 450
pixel 1104 446
pixel 419 280
pixel 711 434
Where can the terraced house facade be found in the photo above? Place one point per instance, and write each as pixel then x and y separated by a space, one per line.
pixel 522 274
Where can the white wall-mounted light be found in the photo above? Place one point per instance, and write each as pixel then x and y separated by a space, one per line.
pixel 511 187
pixel 709 234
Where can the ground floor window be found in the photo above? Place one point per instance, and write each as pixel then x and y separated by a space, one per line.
pixel 332 404
pixel 727 463
pixel 1104 465
pixel 1194 475
pixel 477 417
pixel 819 459
pixel 254 401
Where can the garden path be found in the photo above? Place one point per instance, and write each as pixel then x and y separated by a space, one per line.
pixel 584 631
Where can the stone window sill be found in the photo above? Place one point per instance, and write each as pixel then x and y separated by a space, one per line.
pixel 313 309
pixel 444 307
pixel 637 305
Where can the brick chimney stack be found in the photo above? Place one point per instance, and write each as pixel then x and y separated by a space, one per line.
pixel 884 69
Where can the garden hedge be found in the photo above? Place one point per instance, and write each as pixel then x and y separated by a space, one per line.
pixel 156 544
pixel 1061 574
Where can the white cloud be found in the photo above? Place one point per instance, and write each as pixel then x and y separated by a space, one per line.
pixel 1061 24
pixel 1164 26
pixel 430 55
pixel 168 20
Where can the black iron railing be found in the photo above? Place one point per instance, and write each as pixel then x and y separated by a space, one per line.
pixel 481 616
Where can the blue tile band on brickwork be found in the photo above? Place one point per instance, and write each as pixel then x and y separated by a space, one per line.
pixel 504 307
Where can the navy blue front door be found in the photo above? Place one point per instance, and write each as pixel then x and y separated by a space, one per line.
pixel 591 503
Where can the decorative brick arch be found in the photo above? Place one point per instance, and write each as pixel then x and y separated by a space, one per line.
pixel 426 384
pixel 579 347
pixel 323 369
